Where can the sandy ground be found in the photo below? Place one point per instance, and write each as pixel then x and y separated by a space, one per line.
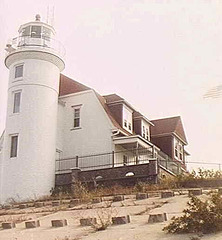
pixel 138 210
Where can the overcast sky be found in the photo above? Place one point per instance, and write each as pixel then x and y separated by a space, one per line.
pixel 162 56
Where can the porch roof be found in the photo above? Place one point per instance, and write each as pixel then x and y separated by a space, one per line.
pixel 133 141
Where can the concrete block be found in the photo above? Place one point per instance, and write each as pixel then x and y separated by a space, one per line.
pixel 155 218
pixel 121 220
pixel 23 206
pixel 118 198
pixel 74 202
pixel 7 207
pixel 32 224
pixel 8 225
pixel 55 203
pixel 59 223
pixel 141 196
pixel 87 221
pixel 195 192
pixel 96 200
pixel 167 194
pixel 39 204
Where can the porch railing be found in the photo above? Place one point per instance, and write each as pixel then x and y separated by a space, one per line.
pixel 117 159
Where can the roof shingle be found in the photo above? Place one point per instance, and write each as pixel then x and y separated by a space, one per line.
pixel 168 126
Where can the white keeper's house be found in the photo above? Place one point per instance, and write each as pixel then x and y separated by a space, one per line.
pixel 55 124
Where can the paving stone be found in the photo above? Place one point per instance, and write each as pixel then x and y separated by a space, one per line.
pixel 8 225
pixel 141 196
pixel 118 198
pixel 167 194
pixel 155 218
pixel 195 192
pixel 121 220
pixel 32 224
pixel 87 221
pixel 59 223
pixel 96 200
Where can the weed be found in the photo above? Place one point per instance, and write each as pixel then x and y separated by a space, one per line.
pixel 104 218
pixel 199 217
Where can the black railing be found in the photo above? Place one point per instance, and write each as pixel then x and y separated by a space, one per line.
pixel 117 159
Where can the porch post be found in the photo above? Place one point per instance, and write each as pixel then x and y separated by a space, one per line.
pixel 137 159
pixel 113 159
pixel 77 161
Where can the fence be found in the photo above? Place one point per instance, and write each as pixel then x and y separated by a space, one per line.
pixel 116 159
pixel 204 165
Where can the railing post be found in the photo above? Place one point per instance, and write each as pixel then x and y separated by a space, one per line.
pixel 77 161
pixel 113 159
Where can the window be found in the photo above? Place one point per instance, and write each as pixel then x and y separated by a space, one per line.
pixel 46 33
pixel 26 31
pixel 76 117
pixel 36 32
pixel 147 134
pixel 144 132
pixel 125 123
pixel 16 102
pixel 178 150
pixel 14 146
pixel 18 71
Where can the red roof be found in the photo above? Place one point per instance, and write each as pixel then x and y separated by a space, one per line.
pixel 68 86
pixel 113 98
pixel 168 126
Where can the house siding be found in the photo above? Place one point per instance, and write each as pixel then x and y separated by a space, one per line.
pixel 165 143
pixel 137 126
pixel 95 133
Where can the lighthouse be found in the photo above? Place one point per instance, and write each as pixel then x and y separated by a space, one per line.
pixel 34 60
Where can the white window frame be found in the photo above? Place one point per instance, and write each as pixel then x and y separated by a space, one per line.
pixel 15 71
pixel 178 150
pixel 127 118
pixel 14 153
pixel 75 108
pixel 14 106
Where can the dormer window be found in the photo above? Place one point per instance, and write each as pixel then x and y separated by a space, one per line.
pixel 130 126
pixel 145 130
pixel 178 150
pixel 127 118
pixel 125 123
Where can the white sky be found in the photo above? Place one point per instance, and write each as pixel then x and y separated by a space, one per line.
pixel 160 55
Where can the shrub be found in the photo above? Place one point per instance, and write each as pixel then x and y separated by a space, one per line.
pixel 200 216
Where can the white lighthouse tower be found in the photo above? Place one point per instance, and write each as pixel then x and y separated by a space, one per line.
pixel 34 60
